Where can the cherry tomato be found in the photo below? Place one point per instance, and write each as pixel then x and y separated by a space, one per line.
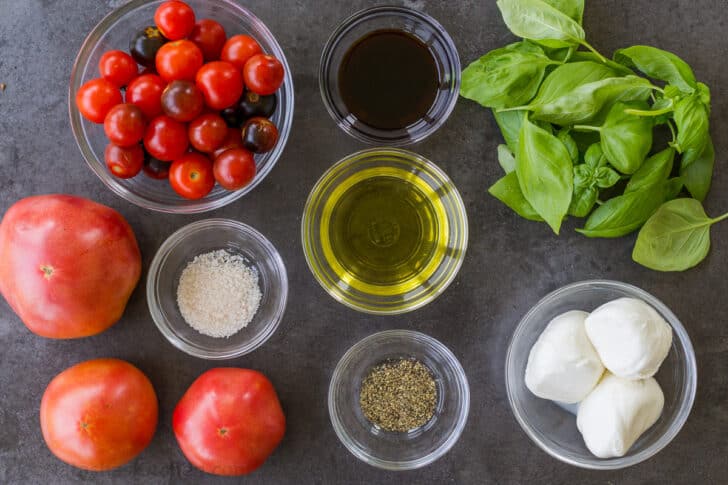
pixel 165 138
pixel 238 49
pixel 146 92
pixel 210 38
pixel 191 176
pixel 175 19
pixel 182 101
pixel 96 98
pixel 156 169
pixel 221 84
pixel 259 135
pixel 252 104
pixel 232 140
pixel 229 421
pixel 180 59
pixel 234 169
pixel 145 44
pixel 207 132
pixel 124 162
pixel 124 125
pixel 263 74
pixel 118 67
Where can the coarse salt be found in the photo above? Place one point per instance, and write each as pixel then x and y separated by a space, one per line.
pixel 218 293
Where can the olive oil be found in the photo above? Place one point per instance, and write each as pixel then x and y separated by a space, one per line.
pixel 388 79
pixel 384 231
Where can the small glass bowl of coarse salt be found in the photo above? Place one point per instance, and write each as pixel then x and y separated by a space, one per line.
pixel 217 289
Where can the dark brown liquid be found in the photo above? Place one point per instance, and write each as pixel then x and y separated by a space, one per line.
pixel 388 79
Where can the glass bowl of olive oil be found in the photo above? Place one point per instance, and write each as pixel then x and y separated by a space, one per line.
pixel 384 231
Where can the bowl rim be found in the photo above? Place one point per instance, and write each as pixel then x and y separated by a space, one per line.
pixel 685 405
pixel 463 411
pixel 99 167
pixel 408 156
pixel 342 28
pixel 159 259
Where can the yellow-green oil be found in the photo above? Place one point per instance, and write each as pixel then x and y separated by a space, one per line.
pixel 384 231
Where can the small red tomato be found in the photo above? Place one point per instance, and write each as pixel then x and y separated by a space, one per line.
pixel 221 84
pixel 155 168
pixel 210 37
pixel 232 140
pixel 124 125
pixel 191 176
pixel 118 67
pixel 182 101
pixel 124 162
pixel 166 139
pixel 259 135
pixel 238 49
pixel 146 92
pixel 234 169
pixel 229 421
pixel 263 74
pixel 175 19
pixel 180 59
pixel 207 132
pixel 95 98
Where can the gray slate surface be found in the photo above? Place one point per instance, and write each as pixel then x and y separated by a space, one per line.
pixel 510 264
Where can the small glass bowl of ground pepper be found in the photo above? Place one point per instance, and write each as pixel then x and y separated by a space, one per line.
pixel 399 400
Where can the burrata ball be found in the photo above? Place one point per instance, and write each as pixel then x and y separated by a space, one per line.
pixel 631 338
pixel 563 365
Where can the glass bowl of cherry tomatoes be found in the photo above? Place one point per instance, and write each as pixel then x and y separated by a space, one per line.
pixel 181 106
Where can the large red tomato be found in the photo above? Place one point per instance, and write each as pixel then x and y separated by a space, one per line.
pixel 229 421
pixel 67 264
pixel 99 414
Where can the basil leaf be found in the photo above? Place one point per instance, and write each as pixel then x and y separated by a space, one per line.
pixel 506 159
pixel 626 139
pixel 618 69
pixel 655 170
pixel 569 143
pixel 675 238
pixel 537 20
pixel 585 102
pixel 573 8
pixel 704 95
pixel 606 177
pixel 544 171
pixel 624 214
pixel 696 170
pixel 568 77
pixel 658 64
pixel 583 201
pixel 691 118
pixel 505 77
pixel 510 123
pixel 594 156
pixel 508 191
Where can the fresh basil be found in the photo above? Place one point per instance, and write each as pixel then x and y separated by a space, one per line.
pixel 654 171
pixel 583 200
pixel 508 191
pixel 506 159
pixel 619 69
pixel 589 177
pixel 544 171
pixel 568 77
pixel 658 64
pixel 510 123
pixel 691 118
pixel 676 237
pixel 572 8
pixel 565 137
pixel 539 21
pixel 696 170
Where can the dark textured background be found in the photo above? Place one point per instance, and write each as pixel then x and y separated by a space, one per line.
pixel 510 264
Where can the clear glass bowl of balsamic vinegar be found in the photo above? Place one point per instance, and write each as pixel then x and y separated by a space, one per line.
pixel 390 76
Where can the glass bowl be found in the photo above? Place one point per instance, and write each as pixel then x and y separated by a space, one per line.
pixel 422 26
pixel 391 450
pixel 199 238
pixel 114 32
pixel 552 427
pixel 429 280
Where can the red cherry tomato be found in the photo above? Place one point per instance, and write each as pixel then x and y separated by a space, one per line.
pixel 180 59
pixel 238 49
pixel 155 168
pixel 234 169
pixel 207 132
pixel 174 19
pixel 210 37
pixel 232 140
pixel 95 98
pixel 124 125
pixel 229 421
pixel 124 162
pixel 191 176
pixel 182 101
pixel 165 138
pixel 263 74
pixel 221 84
pixel 118 67
pixel 146 92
